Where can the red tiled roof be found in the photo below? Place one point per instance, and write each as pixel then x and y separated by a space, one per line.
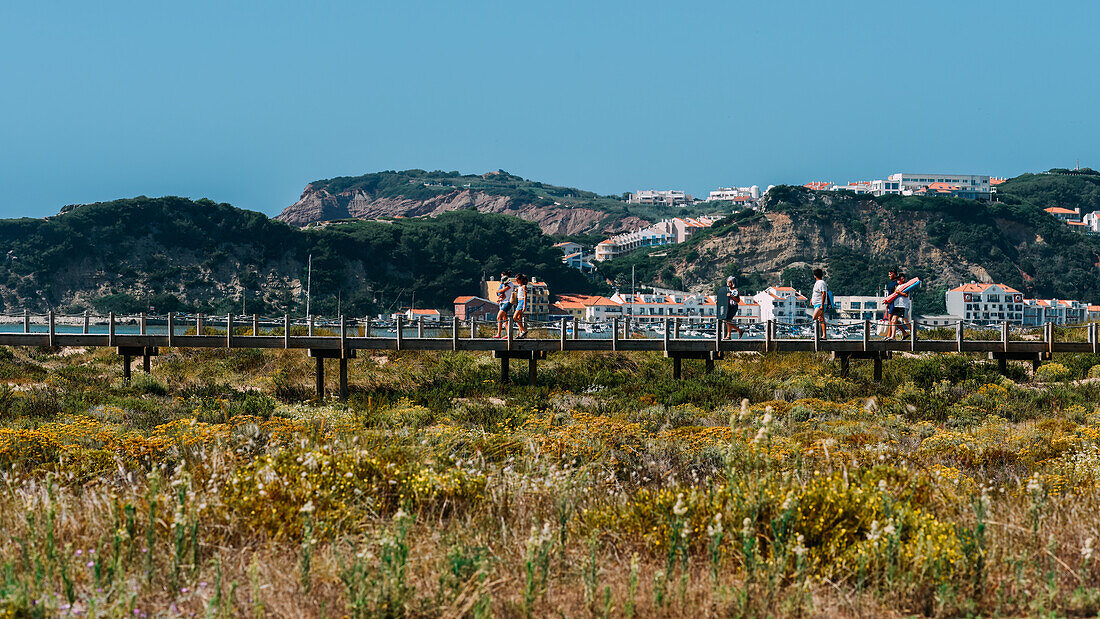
pixel 425 312
pixel 1057 210
pixel 464 299
pixel 983 288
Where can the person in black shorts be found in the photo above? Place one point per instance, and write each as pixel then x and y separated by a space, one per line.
pixel 734 301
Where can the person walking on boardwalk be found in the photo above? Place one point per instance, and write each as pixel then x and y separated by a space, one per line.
pixel 733 303
pixel 520 287
pixel 817 299
pixel 505 297
pixel 891 286
pixel 901 307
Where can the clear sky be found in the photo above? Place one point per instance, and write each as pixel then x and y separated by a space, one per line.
pixel 246 102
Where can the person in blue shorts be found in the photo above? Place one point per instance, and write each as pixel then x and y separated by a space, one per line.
pixel 505 295
pixel 520 287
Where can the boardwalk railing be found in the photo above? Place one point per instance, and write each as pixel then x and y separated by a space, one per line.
pixel 678 338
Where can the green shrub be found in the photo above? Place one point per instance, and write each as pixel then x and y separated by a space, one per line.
pixel 1052 373
pixel 145 383
pixel 1094 371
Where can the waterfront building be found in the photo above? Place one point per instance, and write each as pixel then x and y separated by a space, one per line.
pixel 986 303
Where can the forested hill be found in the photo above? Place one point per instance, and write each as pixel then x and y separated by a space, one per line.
pixel 170 254
pixel 944 241
pixel 557 210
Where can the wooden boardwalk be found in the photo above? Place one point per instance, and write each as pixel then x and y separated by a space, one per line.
pixel 345 341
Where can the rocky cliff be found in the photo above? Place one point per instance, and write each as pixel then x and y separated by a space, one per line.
pixel 318 204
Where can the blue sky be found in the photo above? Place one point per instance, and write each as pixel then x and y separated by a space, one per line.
pixel 246 102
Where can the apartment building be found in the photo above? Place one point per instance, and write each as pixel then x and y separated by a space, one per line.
pixel 971 186
pixel 579 261
pixel 568 247
pixel 735 194
pixel 782 304
pixel 858 307
pixel 989 303
pixel 671 197
pixel 592 308
pixel 656 307
pixel 665 232
pixel 468 307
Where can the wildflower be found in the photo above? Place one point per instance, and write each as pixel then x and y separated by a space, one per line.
pixel 889 530
pixel 746 527
pixel 716 528
pixel 307 508
pixel 679 509
pixel 800 545
pixel 882 485
pixel 744 409
pixel 1087 550
pixel 874 533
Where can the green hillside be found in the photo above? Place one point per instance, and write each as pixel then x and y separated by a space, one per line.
pixel 945 241
pixel 173 254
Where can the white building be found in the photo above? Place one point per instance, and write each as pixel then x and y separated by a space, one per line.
pixel 971 186
pixel 568 247
pixel 579 261
pixel 782 304
pixel 590 307
pixel 671 197
pixel 666 232
pixel 858 307
pixel 859 187
pixel 731 194
pixel 1092 220
pixel 986 303
pixel 657 307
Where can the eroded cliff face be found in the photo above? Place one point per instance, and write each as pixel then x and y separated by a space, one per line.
pixel 318 205
pixel 777 240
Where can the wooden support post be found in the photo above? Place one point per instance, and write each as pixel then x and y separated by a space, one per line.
pixel 878 369
pixel 286 330
pixel 845 362
pixel 503 371
pixel 576 329
pixel 959 336
pixel 1002 364
pixel 708 365
pixel 769 334
pixel 420 327
pixel 145 365
pixel 229 330
pixel 110 328
pixel 400 335
pixel 561 343
pixel 1004 337
pixel 532 370
pixel 866 340
pixel 717 334
pixel 343 336
pixel 626 327
pixel 676 328
pixel 343 379
pixel 171 327
pixel 913 326
pixel 677 364
pixel 198 324
pixel 320 377
pixel 615 333
pixel 51 327
pixel 255 324
pixel 454 333
pixel 126 366
pixel 141 323
pixel 87 322
pixel 666 335
pixel 26 320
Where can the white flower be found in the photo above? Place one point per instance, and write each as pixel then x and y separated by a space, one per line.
pixel 307 508
pixel 889 530
pixel 746 527
pixel 874 533
pixel 679 508
pixel 1087 550
pixel 744 409
pixel 800 545
pixel 882 485
pixel 716 528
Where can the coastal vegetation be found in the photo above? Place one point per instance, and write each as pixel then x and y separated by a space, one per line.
pixel 214 486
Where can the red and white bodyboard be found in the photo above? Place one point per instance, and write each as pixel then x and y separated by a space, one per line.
pixel 906 287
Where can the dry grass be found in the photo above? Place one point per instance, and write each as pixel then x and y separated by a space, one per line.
pixel 213 488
